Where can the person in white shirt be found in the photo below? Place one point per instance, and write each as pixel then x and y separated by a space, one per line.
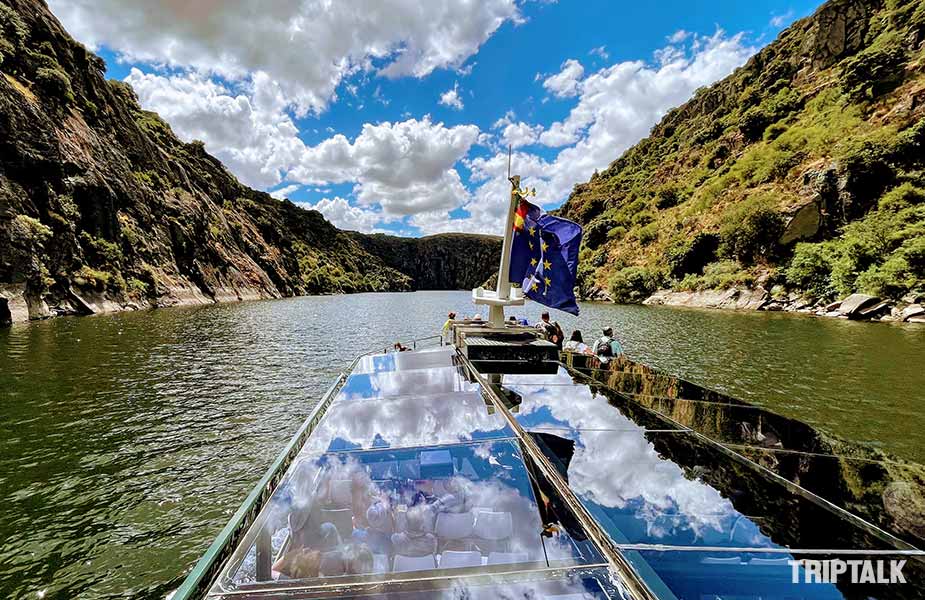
pixel 577 344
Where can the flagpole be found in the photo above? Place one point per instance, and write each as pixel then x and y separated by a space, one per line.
pixel 502 297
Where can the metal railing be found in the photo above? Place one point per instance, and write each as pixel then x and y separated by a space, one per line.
pixel 414 343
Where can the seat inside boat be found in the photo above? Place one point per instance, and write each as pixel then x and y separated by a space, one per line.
pixel 411 510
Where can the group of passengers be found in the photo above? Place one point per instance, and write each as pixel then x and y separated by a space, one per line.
pixel 381 525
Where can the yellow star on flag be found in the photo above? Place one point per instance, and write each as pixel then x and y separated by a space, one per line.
pixel 544 246
pixel 534 287
pixel 547 280
pixel 547 265
pixel 532 262
pixel 532 231
pixel 531 245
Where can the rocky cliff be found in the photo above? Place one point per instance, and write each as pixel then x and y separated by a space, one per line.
pixel 439 262
pixel 103 208
pixel 800 176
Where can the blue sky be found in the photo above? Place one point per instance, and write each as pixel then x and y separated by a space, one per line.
pixel 398 120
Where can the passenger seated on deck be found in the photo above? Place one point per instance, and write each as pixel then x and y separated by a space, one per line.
pixel 577 344
pixel 381 526
pixel 362 493
pixel 551 330
pixel 456 500
pixel 303 563
pixel 358 559
pixel 415 540
pixel 606 347
pixel 399 348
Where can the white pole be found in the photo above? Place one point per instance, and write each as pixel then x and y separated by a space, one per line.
pixel 496 313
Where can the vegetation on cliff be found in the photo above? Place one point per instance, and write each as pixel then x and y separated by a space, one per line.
pixel 102 207
pixel 802 172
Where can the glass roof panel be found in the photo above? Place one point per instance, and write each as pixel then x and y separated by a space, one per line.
pixel 403 421
pixel 407 361
pixel 364 386
pixel 384 514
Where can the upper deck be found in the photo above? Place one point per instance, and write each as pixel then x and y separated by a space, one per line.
pixel 423 477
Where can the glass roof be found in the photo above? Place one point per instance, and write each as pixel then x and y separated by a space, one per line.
pixel 414 479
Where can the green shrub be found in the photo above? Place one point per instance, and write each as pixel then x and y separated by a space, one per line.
pixel 137 287
pixel 648 234
pixel 101 250
pixel 633 284
pixel 749 232
pixel 753 123
pixel 902 196
pixel 876 69
pixel 688 255
pixel 13 33
pixel 668 195
pixel 810 270
pixel 30 231
pixel 54 83
pixel 720 275
pixel 774 131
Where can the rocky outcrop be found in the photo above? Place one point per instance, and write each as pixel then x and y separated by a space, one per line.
pixel 792 166
pixel 733 298
pixel 103 208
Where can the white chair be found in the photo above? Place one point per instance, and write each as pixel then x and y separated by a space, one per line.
pixel 414 563
pixel 380 563
pixel 506 558
pixel 341 518
pixel 451 559
pixel 493 526
pixel 341 495
pixel 454 526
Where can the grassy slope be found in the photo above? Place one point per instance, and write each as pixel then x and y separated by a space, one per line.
pixel 802 171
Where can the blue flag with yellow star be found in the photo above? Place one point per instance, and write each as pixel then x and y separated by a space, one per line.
pixel 544 257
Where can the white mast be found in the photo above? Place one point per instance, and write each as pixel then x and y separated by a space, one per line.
pixel 502 295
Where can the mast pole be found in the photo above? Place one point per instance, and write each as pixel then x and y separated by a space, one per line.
pixel 503 290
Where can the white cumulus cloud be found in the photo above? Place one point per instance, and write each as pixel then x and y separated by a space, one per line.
pixel 565 83
pixel 451 98
pixel 307 46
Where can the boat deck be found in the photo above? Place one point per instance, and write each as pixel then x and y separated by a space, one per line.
pixel 423 478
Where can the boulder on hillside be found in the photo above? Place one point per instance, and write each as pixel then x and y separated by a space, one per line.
pixel 802 224
pixel 854 303
pixel 913 310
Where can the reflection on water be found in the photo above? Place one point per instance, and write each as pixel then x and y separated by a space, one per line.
pixel 128 440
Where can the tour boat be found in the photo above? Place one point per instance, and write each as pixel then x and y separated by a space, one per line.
pixel 490 465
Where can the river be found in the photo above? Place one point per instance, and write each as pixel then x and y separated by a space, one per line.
pixel 129 439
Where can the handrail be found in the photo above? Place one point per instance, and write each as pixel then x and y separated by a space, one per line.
pixel 619 565
pixel 413 342
pixel 207 568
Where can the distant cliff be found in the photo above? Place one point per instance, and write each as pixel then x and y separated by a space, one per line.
pixel 440 262
pixel 799 176
pixel 103 208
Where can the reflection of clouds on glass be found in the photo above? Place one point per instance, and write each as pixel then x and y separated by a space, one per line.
pixel 406 421
pixel 402 383
pixel 341 502
pixel 615 466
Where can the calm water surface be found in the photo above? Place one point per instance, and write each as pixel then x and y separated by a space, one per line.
pixel 127 441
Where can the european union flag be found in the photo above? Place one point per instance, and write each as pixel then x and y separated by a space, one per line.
pixel 544 257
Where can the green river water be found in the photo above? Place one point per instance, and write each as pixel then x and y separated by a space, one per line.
pixel 126 441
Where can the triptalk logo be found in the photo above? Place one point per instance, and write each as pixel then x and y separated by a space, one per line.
pixel 855 571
